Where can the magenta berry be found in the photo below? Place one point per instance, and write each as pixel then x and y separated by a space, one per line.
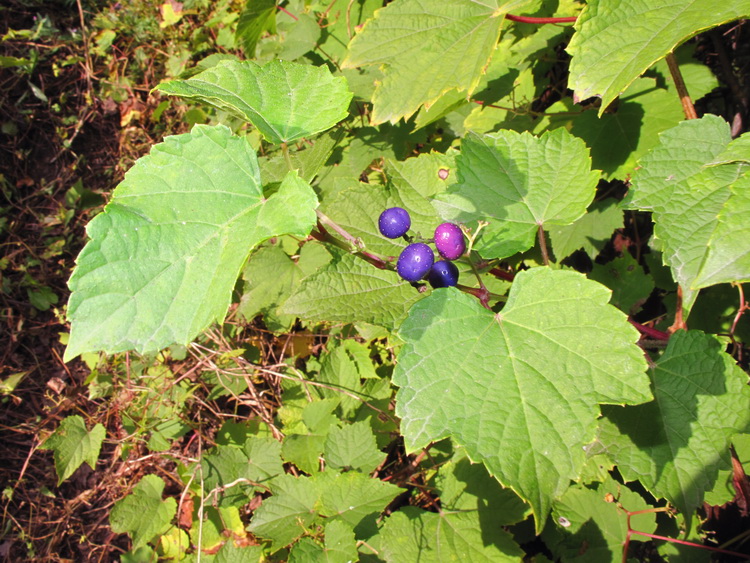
pixel 443 274
pixel 449 241
pixel 394 222
pixel 415 261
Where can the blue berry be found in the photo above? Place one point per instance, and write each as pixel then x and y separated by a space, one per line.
pixel 415 261
pixel 449 241
pixel 443 274
pixel 394 222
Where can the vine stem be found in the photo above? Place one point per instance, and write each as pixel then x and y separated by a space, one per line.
pixel 631 531
pixel 288 13
pixel 679 319
pixel 649 331
pixel 543 245
pixel 287 156
pixel 679 82
pixel 322 235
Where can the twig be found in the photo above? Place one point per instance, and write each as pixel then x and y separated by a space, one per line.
pixel 687 103
pixel 322 235
pixel 543 245
pixel 679 320
pixel 649 331
pixel 295 18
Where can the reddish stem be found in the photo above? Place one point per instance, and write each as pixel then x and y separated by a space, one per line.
pixel 324 236
pixel 529 19
pixel 502 274
pixel 687 104
pixel 691 544
pixel 650 332
pixel 480 293
pixel 295 18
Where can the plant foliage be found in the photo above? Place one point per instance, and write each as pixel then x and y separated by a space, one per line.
pixel 522 395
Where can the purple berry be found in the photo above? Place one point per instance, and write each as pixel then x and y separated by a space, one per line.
pixel 394 222
pixel 415 261
pixel 443 274
pixel 449 241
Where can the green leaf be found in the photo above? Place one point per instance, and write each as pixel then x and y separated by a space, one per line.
pixel 339 31
pixel 353 446
pixel 73 444
pixel 617 40
pixel 676 444
pixel 682 152
pixel 518 183
pixel 487 380
pixel 728 255
pixel 630 285
pixel 724 489
pixel 248 469
pixel 590 233
pixel 427 48
pixel 340 546
pixel 589 527
pixel 619 138
pixel 412 534
pixel 230 553
pixel 304 448
pixel 264 293
pixel 127 515
pixel 284 517
pixel 700 196
pixel 353 497
pixel 351 290
pixel 166 252
pixel 286 101
pixel 174 544
pixel 257 17
pixel 342 368
pixel 466 486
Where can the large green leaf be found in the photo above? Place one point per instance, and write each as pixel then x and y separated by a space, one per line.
pixel 354 497
pixel 283 517
pixel 284 100
pixel 466 486
pixel 698 187
pixel 249 469
pixel 127 514
pixel 619 138
pixel 617 40
pixel 412 534
pixel 427 48
pixel 519 183
pixel 340 546
pixel 592 525
pixel 73 445
pixel 520 389
pixel 589 233
pixel 256 17
pixel 351 290
pixel 167 250
pixel 676 444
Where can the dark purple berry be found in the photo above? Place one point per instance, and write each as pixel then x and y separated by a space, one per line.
pixel 394 222
pixel 449 241
pixel 443 274
pixel 415 261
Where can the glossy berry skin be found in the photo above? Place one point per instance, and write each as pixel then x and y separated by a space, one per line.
pixel 415 261
pixel 394 222
pixel 443 274
pixel 449 241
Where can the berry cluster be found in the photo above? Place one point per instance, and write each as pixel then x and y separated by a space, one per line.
pixel 418 260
